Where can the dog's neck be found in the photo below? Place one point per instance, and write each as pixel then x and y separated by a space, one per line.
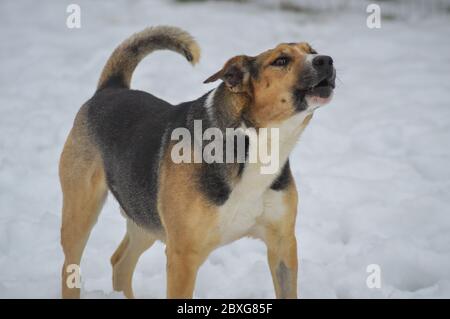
pixel 226 109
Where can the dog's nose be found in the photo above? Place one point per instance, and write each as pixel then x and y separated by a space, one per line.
pixel 322 62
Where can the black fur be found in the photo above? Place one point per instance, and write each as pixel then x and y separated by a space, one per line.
pixel 283 180
pixel 213 182
pixel 253 68
pixel 132 130
pixel 283 276
pixel 214 178
pixel 115 81
pixel 299 100
pixel 128 127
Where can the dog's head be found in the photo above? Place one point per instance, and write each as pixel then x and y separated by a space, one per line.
pixel 281 82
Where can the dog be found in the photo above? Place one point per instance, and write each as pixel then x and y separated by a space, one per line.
pixel 120 142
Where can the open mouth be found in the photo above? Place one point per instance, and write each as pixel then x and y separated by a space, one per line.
pixel 315 94
pixel 322 89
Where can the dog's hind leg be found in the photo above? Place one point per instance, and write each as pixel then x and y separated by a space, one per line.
pixel 84 191
pixel 126 256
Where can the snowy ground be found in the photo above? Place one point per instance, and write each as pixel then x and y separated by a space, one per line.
pixel 372 168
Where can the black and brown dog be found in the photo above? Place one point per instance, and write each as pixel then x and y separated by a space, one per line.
pixel 120 142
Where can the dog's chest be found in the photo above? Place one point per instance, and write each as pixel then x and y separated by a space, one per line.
pixel 244 206
pixel 251 199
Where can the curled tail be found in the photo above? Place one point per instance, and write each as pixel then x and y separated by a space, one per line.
pixel 121 64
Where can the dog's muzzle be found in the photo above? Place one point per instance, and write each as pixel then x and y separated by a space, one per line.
pixel 325 79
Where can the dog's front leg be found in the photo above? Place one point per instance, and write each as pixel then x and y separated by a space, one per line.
pixel 182 267
pixel 189 242
pixel 279 236
pixel 282 256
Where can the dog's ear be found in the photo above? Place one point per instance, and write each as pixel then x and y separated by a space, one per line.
pixel 235 74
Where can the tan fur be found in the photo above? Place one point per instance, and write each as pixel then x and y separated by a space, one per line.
pixel 279 237
pixel 191 224
pixel 272 89
pixel 124 260
pixel 84 191
pixel 269 95
pixel 127 55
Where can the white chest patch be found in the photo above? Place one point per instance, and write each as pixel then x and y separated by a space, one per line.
pixel 251 198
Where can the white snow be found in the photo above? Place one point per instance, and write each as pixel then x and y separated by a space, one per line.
pixel 372 168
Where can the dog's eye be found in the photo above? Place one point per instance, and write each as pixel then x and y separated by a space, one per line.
pixel 281 61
